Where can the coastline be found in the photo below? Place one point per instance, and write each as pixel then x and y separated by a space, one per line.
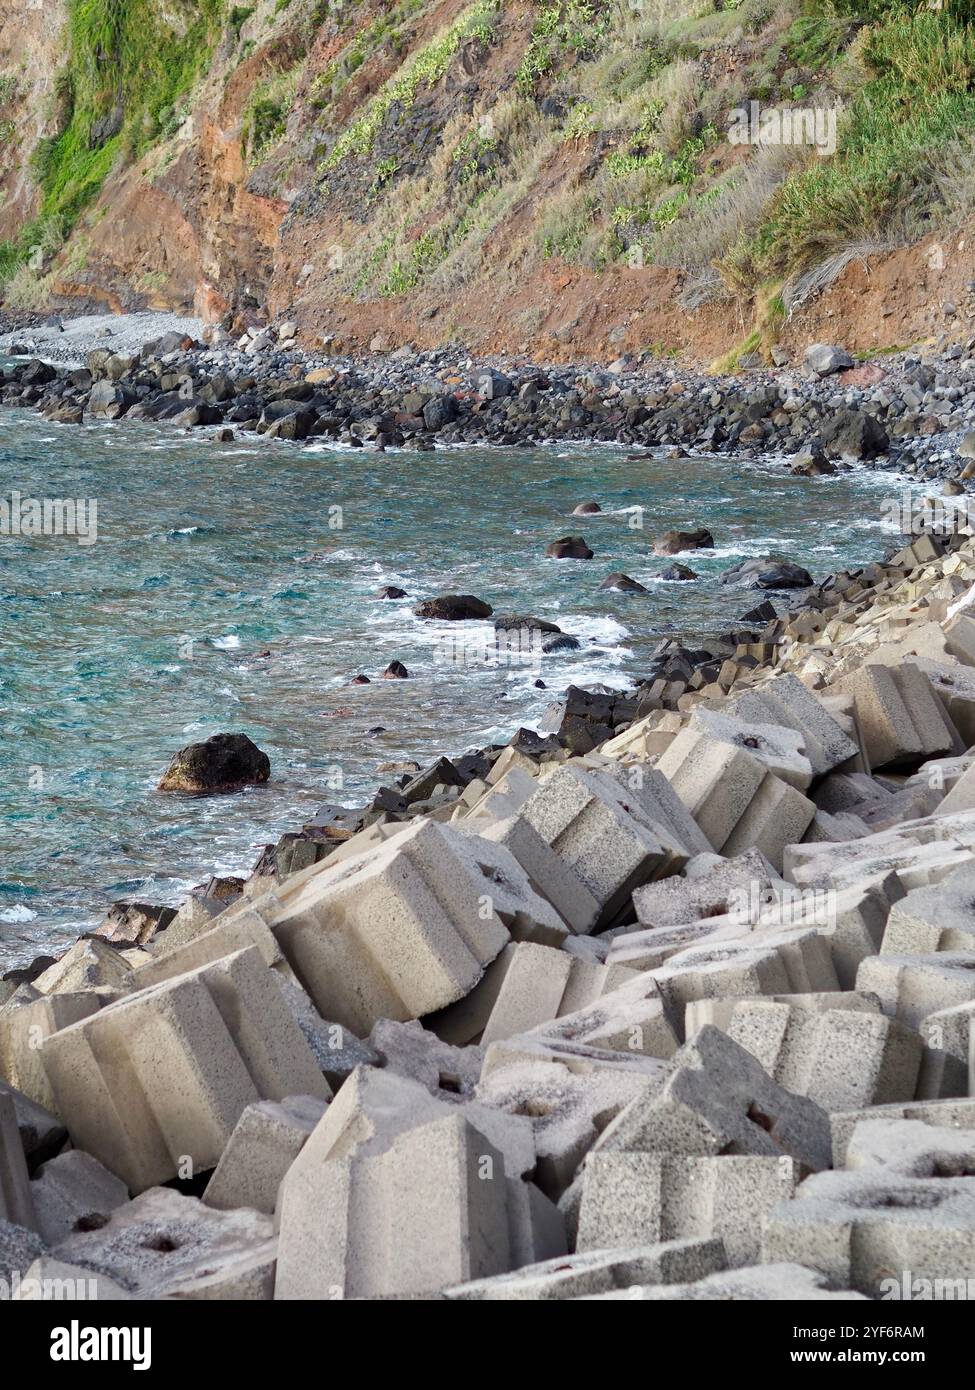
pixel 642 919
pixel 676 672
pixel 908 411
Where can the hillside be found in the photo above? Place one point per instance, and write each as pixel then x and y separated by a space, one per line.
pixel 545 176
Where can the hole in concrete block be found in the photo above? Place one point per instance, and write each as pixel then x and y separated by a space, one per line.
pixel 759 1117
pixel 535 1108
pixel 750 741
pixel 91 1221
pixel 449 1081
pixel 162 1243
pixel 952 1168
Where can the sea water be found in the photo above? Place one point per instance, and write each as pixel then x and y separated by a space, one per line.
pixel 232 587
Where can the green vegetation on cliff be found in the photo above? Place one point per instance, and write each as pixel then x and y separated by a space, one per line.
pixel 129 63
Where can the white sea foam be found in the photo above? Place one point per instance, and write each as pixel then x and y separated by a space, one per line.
pixel 17 913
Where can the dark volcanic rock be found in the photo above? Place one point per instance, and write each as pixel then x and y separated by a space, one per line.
pixel 768 572
pixel 853 434
pixel 623 583
pixel 510 621
pixel 678 572
pixel 673 542
pixel 391 591
pixel 568 548
pixel 453 608
pixel 222 763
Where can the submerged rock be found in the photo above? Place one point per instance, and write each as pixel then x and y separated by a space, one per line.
pixel 453 608
pixel 673 542
pixel 568 548
pixel 623 583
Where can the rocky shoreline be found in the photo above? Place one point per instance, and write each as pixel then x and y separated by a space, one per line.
pixel 911 412
pixel 686 976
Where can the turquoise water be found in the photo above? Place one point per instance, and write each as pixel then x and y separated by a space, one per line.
pixel 226 592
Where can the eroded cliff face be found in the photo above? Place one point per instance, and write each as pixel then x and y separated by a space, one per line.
pixel 31 51
pixel 545 176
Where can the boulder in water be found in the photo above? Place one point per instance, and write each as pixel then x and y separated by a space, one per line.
pixel 453 608
pixel 568 548
pixel 623 583
pixel 673 542
pixel 223 763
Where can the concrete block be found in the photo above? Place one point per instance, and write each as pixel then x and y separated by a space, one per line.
pixel 165 1245
pixel 42 1135
pixel 938 918
pixel 787 1283
pixel 839 1058
pixel 154 1084
pixel 23 1028
pixel 777 816
pixel 922 851
pixel 549 875
pixel 336 1049
pixel 19 1248
pixel 642 1198
pixel 719 887
pixel 911 987
pixel 715 781
pixel 241 929
pixel 737 802
pixel 912 1149
pixel 399 1193
pixel 526 986
pixel 955 1114
pixel 954 686
pixel 786 701
pixel 630 1018
pixel 852 920
pixel 407 928
pixel 16 1204
pixel 409 1049
pixel 900 717
pixel 950 1038
pixel 597 1271
pixel 74 1192
pixel 717 1099
pixel 265 1142
pixel 780 749
pixel 605 833
pixel 851 791
pixel 90 964
pixel 863 1229
pixel 791 962
pixel 960 796
pixel 52 1281
pixel 829 828
pixel 568 1104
